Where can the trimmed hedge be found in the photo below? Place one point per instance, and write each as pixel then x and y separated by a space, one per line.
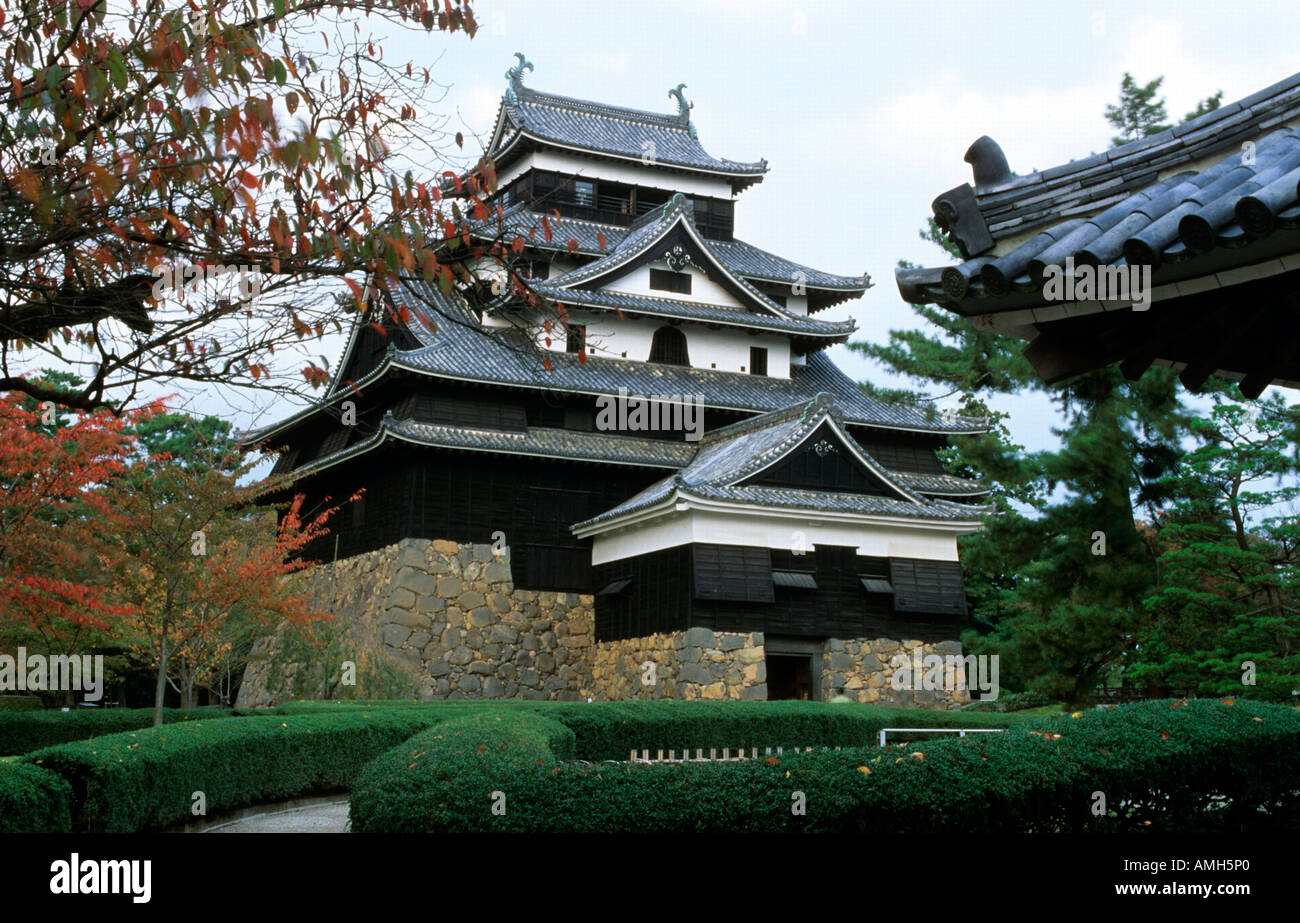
pixel 20 703
pixel 1184 766
pixel 25 731
pixel 611 730
pixel 33 800
pixel 144 780
pixel 445 778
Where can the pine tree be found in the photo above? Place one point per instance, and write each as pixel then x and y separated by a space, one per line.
pixel 1054 591
pixel 1139 114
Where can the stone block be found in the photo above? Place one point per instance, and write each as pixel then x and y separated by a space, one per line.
pixel 481 616
pixel 394 635
pixel 699 637
pixel 731 643
pixel 439 668
pixel 400 598
pixel 756 693
pixel 470 599
pixel 470 683
pixel 448 587
pixel 421 584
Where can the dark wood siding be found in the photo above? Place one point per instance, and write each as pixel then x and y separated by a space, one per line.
pixel 733 572
pixel 927 586
pixel 468 497
pixel 660 599
pixel 657 600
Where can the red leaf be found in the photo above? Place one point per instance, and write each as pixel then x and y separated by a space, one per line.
pixel 571 246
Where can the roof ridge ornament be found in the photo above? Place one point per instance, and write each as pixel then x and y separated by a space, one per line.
pixel 822 400
pixel 516 77
pixel 684 109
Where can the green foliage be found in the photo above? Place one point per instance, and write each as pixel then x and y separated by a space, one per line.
pixel 196 442
pixel 1010 702
pixel 145 780
pixel 611 730
pixel 1229 572
pixel 444 779
pixel 20 703
pixel 1139 112
pixel 33 800
pixel 1202 765
pixel 25 731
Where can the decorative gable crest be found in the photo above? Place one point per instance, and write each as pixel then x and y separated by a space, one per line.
pixel 684 109
pixel 516 77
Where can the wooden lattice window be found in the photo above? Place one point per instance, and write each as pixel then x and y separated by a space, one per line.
pixel 669 347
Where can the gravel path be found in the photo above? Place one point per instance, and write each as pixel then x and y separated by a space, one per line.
pixel 331 817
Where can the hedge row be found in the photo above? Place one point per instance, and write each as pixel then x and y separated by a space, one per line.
pixel 20 703
pixel 611 730
pixel 25 731
pixel 448 776
pixel 144 780
pixel 1169 765
pixel 33 800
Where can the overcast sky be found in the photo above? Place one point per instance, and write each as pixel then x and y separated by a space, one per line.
pixel 864 110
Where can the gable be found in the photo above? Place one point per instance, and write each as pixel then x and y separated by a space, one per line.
pixel 681 249
pixel 822 462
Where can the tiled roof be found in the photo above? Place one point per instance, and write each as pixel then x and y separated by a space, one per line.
pixel 642 243
pixel 590 126
pixel 728 456
pixel 694 310
pixel 455 351
pixel 744 259
pixel 945 485
pixel 746 451
pixel 1010 205
pixel 1173 225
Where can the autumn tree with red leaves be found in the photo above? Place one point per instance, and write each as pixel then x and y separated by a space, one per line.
pixel 59 522
pixel 201 564
pixel 250 141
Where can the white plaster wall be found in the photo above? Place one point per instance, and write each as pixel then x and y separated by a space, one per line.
pixel 703 289
pixel 631 172
pixel 785 534
pixel 724 349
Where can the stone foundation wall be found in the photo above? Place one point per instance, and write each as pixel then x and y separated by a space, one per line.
pixel 861 669
pixel 448 616
pixel 445 619
pixel 694 664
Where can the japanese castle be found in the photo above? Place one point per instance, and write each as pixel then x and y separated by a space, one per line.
pixel 670 470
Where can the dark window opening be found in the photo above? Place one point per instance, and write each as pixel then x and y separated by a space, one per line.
pixel 665 281
pixel 575 340
pixel 669 347
pixel 714 218
pixel 758 360
pixel 789 677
